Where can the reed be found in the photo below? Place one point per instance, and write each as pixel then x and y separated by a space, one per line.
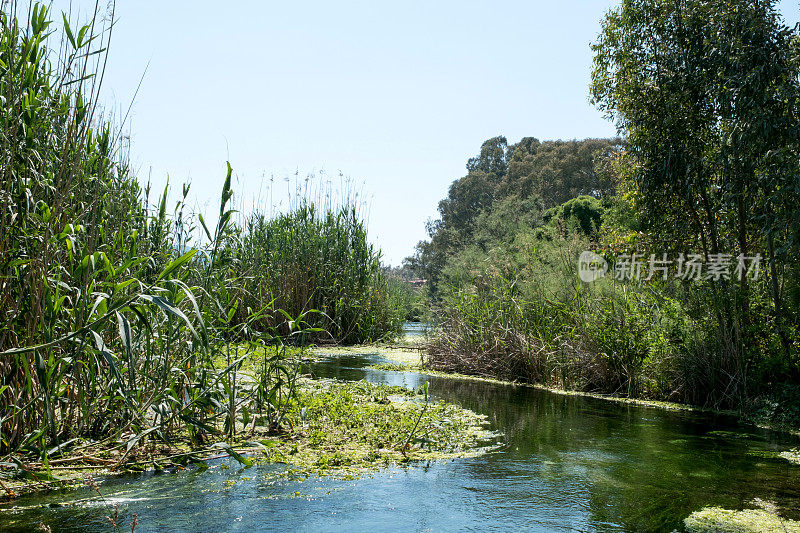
pixel 537 323
pixel 312 259
pixel 120 324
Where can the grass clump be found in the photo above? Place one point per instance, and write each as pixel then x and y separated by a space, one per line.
pixel 317 257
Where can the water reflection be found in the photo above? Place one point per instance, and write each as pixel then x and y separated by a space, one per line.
pixel 414 330
pixel 566 464
pixel 627 467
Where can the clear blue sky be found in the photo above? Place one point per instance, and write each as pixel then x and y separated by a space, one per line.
pixel 396 95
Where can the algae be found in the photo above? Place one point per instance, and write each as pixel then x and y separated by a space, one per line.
pixel 348 428
pixel 793 456
pixel 407 355
pixel 718 520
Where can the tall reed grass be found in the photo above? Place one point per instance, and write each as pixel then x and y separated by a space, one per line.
pixel 540 324
pixel 119 325
pixel 308 259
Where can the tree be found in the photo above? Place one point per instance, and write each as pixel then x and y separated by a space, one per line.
pixel 508 187
pixel 706 93
pixel 492 159
pixel 557 171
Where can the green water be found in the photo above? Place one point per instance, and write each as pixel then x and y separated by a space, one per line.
pixel 565 464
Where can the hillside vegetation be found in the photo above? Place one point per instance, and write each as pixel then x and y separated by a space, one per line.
pixel 704 190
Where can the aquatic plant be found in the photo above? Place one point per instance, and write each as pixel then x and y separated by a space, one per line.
pixel 318 257
pixel 121 325
pixel 348 427
pixel 746 521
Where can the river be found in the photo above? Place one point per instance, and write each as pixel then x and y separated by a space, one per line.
pixel 565 463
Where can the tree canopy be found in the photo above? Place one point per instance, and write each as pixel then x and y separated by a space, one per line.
pixel 507 186
pixel 706 93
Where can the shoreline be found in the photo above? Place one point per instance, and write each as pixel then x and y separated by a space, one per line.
pixel 291 447
pixel 392 352
pixel 314 442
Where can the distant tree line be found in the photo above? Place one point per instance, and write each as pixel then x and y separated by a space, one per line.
pixel 523 180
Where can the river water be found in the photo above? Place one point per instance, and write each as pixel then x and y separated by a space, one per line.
pixel 565 463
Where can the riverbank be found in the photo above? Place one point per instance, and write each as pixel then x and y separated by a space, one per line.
pixel 333 428
pixel 410 356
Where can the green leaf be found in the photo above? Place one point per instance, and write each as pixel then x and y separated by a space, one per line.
pixel 233 453
pixel 81 35
pixel 121 285
pixel 202 466
pixel 196 307
pixel 176 264
pixel 171 309
pixel 109 357
pixel 70 36
pixel 100 306
pixel 232 310
pixel 194 422
pixel 205 228
pixel 125 333
pixel 63 446
pixel 136 438
pixel 235 363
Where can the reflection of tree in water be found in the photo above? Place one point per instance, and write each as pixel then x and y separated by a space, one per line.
pixel 587 462
pixel 639 468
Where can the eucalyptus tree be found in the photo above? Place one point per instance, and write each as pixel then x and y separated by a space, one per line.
pixel 706 93
pixel 505 182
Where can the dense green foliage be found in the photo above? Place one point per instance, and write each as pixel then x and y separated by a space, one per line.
pixel 409 293
pixel 306 260
pixel 118 319
pixel 713 144
pixel 706 95
pixel 520 181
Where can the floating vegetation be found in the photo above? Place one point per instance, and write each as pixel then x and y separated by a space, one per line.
pixel 344 429
pixel 732 435
pixel 793 455
pixel 716 519
pixel 334 428
pixel 389 367
pixel 406 355
pixel 765 454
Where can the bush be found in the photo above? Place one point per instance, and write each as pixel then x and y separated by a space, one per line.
pixel 307 259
